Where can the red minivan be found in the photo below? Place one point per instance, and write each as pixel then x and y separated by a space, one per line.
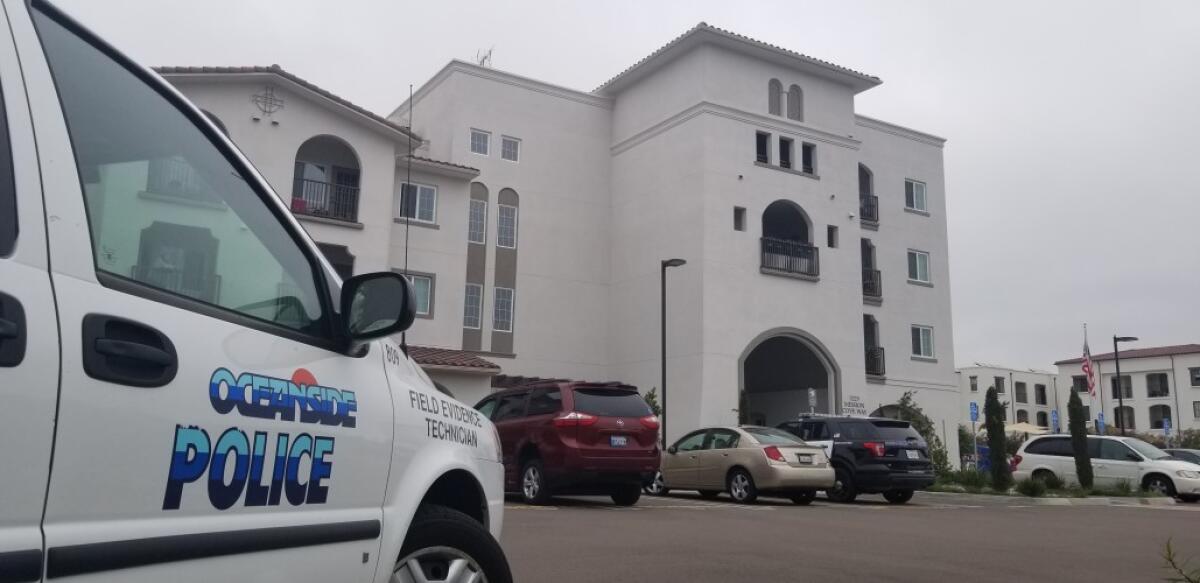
pixel 574 438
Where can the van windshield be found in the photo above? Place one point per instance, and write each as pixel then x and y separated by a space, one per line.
pixel 610 403
pixel 1146 449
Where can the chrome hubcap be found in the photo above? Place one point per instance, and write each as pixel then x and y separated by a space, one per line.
pixel 438 564
pixel 739 487
pixel 1158 486
pixel 530 485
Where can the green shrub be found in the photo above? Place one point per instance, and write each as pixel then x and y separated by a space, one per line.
pixel 972 478
pixel 1032 488
pixel 1052 481
pixel 1124 488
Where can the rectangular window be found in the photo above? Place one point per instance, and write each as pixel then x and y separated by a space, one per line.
pixel 502 310
pixel 1079 384
pixel 739 218
pixel 1126 386
pixel 506 227
pixel 974 384
pixel 477 222
pixel 831 236
pixel 1039 394
pixel 473 306
pixel 1194 373
pixel 762 147
pixel 998 382
pixel 480 140
pixel 785 152
pixel 1196 409
pixel 808 158
pixel 922 341
pixel 417 202
pixel 1020 392
pixel 1156 385
pixel 1087 412
pixel 918 266
pixel 8 191
pixel 914 195
pixel 423 286
pixel 510 149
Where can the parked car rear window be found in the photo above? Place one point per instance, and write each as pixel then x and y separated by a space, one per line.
pixel 1050 446
pixel 857 431
pixel 895 430
pixel 609 403
pixel 770 436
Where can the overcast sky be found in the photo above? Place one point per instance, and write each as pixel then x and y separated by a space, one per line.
pixel 1072 165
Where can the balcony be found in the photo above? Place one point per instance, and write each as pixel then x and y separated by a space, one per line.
pixel 872 281
pixel 791 258
pixel 868 209
pixel 322 199
pixel 875 361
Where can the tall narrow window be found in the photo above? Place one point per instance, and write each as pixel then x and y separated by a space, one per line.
pixel 502 310
pixel 739 218
pixel 831 236
pixel 417 202
pixel 1126 385
pixel 918 266
pixel 974 384
pixel 480 141
pixel 922 341
pixel 785 152
pixel 506 227
pixel 774 96
pixel 808 157
pixel 762 147
pixel 914 195
pixel 795 103
pixel 473 306
pixel 477 222
pixel 423 286
pixel 1020 392
pixel 510 149
pixel 1039 394
pixel 1157 386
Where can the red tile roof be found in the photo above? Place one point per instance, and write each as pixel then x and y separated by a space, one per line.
pixel 1173 350
pixel 447 357
pixel 277 70
pixel 443 163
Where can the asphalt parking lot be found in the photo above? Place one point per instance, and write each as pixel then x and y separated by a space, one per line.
pixel 936 537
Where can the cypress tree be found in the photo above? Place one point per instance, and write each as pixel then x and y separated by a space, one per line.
pixel 1078 426
pixel 993 418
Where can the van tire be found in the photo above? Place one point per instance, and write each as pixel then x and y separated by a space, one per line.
pixel 804 498
pixel 898 496
pixel 1159 483
pixel 627 495
pixel 439 535
pixel 844 489
pixel 534 489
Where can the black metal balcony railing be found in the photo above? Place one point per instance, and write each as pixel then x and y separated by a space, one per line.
pixel 872 283
pixel 790 256
pixel 868 208
pixel 875 361
pixel 322 199
pixel 176 178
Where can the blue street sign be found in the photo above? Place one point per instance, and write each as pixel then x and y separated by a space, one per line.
pixel 974 412
pixel 1054 420
pixel 1166 426
pixel 1100 424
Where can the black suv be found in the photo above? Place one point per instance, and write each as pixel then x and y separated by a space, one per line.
pixel 871 455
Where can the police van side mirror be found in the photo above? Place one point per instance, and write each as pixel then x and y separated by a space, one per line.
pixel 375 305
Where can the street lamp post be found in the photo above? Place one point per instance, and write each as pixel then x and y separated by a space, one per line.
pixel 663 288
pixel 1120 386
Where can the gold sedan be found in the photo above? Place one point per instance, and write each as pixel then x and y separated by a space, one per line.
pixel 745 461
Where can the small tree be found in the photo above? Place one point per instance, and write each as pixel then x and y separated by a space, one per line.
pixel 965 441
pixel 652 400
pixel 993 418
pixel 911 412
pixel 1078 427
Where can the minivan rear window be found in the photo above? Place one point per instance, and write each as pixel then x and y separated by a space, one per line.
pixel 895 430
pixel 609 403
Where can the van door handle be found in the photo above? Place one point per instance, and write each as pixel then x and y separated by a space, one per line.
pixel 126 352
pixel 12 331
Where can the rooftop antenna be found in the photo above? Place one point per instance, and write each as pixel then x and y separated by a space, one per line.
pixel 405 192
pixel 484 58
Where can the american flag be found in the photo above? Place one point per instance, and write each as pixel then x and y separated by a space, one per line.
pixel 1087 369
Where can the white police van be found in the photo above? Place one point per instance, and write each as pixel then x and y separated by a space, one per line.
pixel 187 390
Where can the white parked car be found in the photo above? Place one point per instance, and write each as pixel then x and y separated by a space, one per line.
pixel 1114 460
pixel 188 392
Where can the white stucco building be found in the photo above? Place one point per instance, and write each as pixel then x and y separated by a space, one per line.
pixel 815 237
pixel 1029 395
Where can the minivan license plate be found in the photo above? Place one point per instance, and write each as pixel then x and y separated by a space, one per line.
pixel 912 454
pixel 618 440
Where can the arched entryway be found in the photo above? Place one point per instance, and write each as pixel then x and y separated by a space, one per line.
pixel 777 371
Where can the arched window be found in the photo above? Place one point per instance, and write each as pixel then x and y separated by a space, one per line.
pixel 1123 414
pixel 866 181
pixel 1022 416
pixel 325 183
pixel 786 241
pixel 1159 414
pixel 216 120
pixel 1043 420
pixel 774 96
pixel 795 103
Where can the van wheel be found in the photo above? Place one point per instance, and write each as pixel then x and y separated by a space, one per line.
pixel 709 494
pixel 627 495
pixel 656 487
pixel 741 487
pixel 1159 485
pixel 843 489
pixel 533 483
pixel 446 545
pixel 898 496
pixel 804 498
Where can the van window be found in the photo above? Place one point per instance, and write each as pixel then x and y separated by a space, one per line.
pixel 510 407
pixel 544 402
pixel 1050 446
pixel 167 208
pixel 8 188
pixel 1111 449
pixel 610 403
pixel 486 407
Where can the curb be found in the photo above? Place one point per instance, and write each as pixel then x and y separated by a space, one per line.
pixel 1054 501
